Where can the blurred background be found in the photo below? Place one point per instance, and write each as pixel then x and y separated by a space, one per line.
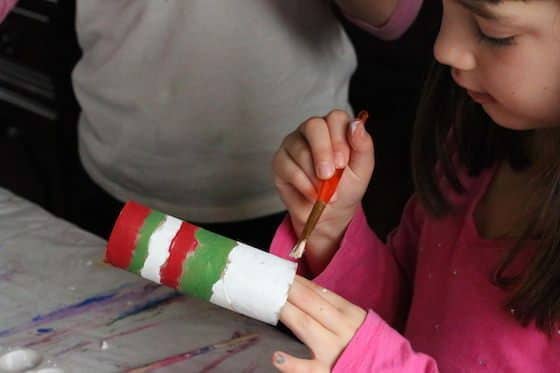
pixel 39 112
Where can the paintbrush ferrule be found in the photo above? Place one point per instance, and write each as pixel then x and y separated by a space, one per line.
pixel 310 224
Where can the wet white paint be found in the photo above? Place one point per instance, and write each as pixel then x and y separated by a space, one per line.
pixel 46 370
pixel 254 283
pixel 19 360
pixel 158 248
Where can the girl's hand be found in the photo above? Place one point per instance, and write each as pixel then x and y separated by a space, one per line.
pixel 322 320
pixel 310 154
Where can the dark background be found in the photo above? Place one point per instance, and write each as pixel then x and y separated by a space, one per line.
pixel 39 113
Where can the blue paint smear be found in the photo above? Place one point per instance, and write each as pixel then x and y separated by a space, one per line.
pixel 88 304
pixel 95 299
pixel 149 305
pixel 44 330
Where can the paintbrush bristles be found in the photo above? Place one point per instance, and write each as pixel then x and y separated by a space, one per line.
pixel 312 219
pixel 298 250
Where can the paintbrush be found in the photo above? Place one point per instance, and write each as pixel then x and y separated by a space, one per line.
pixel 326 191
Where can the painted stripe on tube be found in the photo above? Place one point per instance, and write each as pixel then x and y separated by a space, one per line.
pixel 159 245
pixel 204 267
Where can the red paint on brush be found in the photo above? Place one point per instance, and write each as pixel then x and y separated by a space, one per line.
pixel 328 187
pixel 183 243
pixel 125 233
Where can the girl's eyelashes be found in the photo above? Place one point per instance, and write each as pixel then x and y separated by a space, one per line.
pixel 497 42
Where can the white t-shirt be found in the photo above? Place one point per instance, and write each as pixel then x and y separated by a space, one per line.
pixel 184 102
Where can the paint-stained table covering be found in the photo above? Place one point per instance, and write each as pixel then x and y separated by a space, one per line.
pixel 59 299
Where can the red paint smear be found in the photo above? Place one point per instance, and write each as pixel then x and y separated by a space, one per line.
pixel 183 243
pixel 125 232
pixel 214 364
pixel 130 331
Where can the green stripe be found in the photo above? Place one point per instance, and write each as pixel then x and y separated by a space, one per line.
pixel 205 265
pixel 152 222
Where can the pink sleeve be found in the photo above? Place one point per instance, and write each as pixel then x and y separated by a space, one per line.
pixel 283 242
pixel 5 7
pixel 364 270
pixel 376 347
pixel 402 18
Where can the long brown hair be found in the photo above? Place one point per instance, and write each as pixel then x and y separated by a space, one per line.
pixel 449 124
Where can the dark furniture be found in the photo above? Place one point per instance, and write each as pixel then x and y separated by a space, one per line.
pixel 38 112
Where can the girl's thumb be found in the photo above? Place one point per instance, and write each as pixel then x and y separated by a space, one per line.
pixel 362 157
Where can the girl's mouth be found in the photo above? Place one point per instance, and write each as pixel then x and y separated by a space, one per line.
pixel 481 98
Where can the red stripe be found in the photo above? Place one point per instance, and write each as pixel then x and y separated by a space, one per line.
pixel 183 243
pixel 125 233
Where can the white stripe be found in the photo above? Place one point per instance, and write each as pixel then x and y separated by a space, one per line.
pixel 158 248
pixel 254 283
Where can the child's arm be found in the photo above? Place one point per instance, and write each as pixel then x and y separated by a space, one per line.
pixel 364 270
pixel 369 274
pixel 376 346
pixel 374 12
pixel 343 254
pixel 385 19
pixel 5 7
pixel 342 337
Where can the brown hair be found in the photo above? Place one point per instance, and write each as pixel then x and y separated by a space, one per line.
pixel 449 124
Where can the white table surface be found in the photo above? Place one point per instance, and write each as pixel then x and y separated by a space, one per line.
pixel 58 298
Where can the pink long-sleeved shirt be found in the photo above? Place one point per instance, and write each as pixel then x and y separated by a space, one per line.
pixel 5 7
pixel 435 275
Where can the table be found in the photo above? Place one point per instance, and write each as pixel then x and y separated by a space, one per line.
pixel 58 298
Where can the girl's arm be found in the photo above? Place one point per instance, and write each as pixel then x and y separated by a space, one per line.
pixel 368 274
pixel 376 347
pixel 364 270
pixel 374 12
pixel 5 7
pixel 385 19
pixel 342 337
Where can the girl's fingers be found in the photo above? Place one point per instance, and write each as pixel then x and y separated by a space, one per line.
pixel 297 148
pixel 347 310
pixel 316 133
pixel 333 298
pixel 337 121
pixel 290 364
pixel 288 173
pixel 313 304
pixel 306 328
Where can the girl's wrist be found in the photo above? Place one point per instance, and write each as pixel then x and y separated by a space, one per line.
pixel 325 241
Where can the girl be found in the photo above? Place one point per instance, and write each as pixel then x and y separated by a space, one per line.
pixel 470 281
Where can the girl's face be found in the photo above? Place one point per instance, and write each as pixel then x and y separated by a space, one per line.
pixel 506 56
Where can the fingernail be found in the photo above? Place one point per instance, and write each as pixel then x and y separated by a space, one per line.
pixel 339 160
pixel 279 358
pixel 326 170
pixel 354 127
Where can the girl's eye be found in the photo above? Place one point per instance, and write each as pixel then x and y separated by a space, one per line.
pixel 498 42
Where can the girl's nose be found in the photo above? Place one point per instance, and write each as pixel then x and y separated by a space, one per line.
pixel 454 45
